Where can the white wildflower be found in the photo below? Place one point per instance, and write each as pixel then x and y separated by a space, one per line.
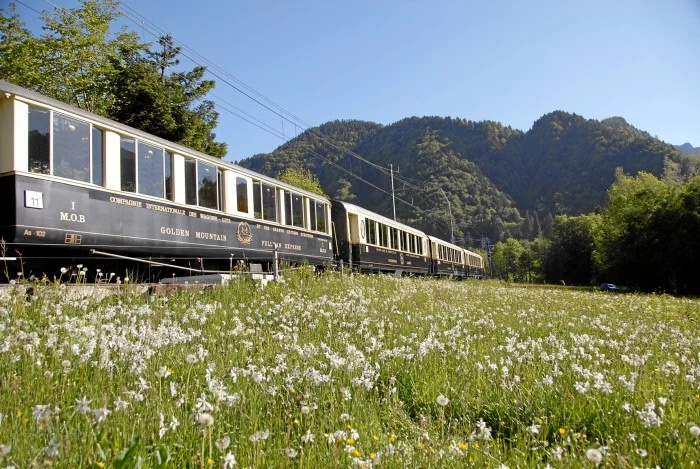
pixel 82 406
pixel 101 414
pixel 308 437
pixel 442 400
pixel 534 429
pixel 228 461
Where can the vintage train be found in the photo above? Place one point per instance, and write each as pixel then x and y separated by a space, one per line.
pixel 81 189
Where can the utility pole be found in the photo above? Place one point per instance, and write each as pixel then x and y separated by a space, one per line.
pixel 393 198
pixel 449 206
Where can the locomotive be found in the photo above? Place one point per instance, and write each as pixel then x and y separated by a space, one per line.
pixel 81 189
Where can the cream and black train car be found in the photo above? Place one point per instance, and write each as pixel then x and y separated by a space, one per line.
pixel 368 241
pixel 73 183
pixel 447 259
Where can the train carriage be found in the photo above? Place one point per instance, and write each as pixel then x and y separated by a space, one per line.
pixel 475 264
pixel 447 259
pixel 368 241
pixel 75 183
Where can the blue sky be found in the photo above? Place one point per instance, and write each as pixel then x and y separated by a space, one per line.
pixel 381 61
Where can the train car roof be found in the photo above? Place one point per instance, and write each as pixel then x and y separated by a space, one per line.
pixel 472 253
pixel 9 89
pixel 368 213
pixel 446 243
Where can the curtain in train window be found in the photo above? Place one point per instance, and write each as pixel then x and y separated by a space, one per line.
pixel 151 170
pixel 71 148
pixel 38 140
pixel 207 191
pixel 242 194
pixel 190 181
pixel 97 155
pixel 128 164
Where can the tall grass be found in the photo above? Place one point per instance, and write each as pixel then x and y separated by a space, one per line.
pixel 364 371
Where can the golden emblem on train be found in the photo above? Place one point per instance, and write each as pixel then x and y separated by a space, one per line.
pixel 244 233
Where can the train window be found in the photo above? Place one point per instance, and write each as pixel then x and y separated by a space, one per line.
pixel 242 194
pixel 404 241
pixel 297 210
pixel 269 202
pixel 38 140
pixel 287 202
pixel 71 148
pixel 396 238
pixel 206 185
pixel 128 164
pixel 371 232
pixel 97 152
pixel 312 215
pixel 220 188
pixel 190 181
pixel 382 235
pixel 150 170
pixel 321 220
pixel 168 175
pixel 257 199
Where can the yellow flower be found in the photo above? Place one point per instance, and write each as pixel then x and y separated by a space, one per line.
pixel 375 437
pixel 392 438
pixel 350 441
pixel 355 453
pixel 562 431
pixel 100 464
pixel 210 461
pixel 296 421
pixel 462 445
pixel 373 455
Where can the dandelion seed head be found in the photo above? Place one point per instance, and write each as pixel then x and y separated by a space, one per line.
pixel 204 419
pixel 223 443
pixel 594 455
pixel 694 430
pixel 442 400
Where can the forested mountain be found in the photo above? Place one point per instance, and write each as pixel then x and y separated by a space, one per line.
pixel 492 180
pixel 688 148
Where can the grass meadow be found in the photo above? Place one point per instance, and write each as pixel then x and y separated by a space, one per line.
pixel 361 371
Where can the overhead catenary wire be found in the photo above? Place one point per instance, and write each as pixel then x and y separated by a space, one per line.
pixel 258 98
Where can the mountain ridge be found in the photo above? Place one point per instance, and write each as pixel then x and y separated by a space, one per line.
pixel 499 181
